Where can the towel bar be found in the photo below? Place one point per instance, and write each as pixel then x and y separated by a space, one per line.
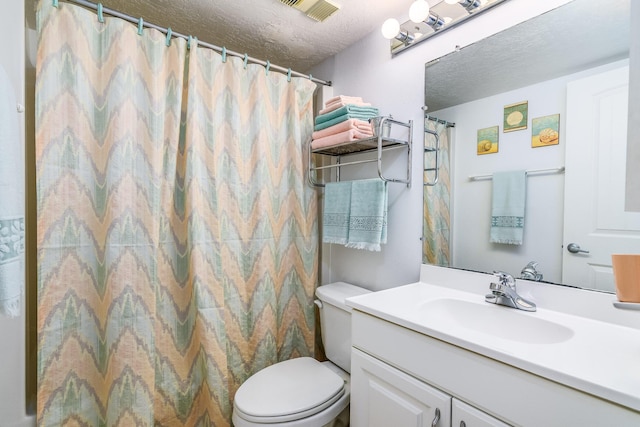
pixel 531 171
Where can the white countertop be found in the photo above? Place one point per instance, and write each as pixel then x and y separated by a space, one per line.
pixel 596 357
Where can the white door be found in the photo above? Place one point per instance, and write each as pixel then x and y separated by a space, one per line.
pixel 594 216
pixel 383 396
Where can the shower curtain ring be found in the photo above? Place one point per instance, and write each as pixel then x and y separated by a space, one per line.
pixel 224 54
pixel 289 75
pixel 246 60
pixel 168 40
pixel 310 77
pixel 55 3
pixel 189 40
pixel 100 16
pixel 140 26
pixel 267 66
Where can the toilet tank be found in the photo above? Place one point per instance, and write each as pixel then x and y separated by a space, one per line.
pixel 335 321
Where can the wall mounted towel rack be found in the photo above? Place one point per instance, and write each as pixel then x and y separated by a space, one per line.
pixel 377 144
pixel 529 172
pixel 435 149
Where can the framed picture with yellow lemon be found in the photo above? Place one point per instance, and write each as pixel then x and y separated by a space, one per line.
pixel 545 131
pixel 515 116
pixel 488 140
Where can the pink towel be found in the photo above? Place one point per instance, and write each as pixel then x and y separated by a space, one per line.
pixel 344 99
pixel 347 136
pixel 355 124
pixel 335 105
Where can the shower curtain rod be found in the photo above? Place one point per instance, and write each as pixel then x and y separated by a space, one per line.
pixel 97 6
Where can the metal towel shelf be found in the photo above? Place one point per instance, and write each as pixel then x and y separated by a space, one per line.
pixel 377 144
pixel 435 149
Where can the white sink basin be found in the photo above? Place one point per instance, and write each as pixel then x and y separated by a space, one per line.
pixel 599 357
pixel 499 321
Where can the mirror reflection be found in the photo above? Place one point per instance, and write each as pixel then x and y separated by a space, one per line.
pixel 564 76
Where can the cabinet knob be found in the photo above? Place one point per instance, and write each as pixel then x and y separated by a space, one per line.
pixel 434 423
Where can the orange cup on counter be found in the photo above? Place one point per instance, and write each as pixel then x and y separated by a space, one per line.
pixel 626 273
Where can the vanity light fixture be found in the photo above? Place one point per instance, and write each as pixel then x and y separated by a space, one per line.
pixel 469 5
pixel 418 13
pixel 427 20
pixel 419 10
pixel 391 30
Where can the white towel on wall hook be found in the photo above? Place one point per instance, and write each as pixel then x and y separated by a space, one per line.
pixel 12 232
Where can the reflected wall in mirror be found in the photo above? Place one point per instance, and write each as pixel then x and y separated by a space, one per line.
pixel 538 61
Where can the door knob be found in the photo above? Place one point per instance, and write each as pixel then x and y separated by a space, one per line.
pixel 574 248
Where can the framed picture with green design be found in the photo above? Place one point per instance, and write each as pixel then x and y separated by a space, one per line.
pixel 487 142
pixel 515 116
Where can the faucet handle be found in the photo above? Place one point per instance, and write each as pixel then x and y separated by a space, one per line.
pixel 505 278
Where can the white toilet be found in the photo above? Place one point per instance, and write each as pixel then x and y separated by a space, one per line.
pixel 303 392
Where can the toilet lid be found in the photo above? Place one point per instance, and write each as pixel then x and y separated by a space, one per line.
pixel 292 389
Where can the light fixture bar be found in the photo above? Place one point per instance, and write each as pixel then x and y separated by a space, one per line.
pixel 434 21
pixel 405 37
pixel 426 21
pixel 470 5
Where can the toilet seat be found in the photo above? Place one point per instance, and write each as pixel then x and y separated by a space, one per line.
pixel 288 391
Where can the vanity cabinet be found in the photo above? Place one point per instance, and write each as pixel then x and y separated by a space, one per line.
pixel 383 396
pixel 464 415
pixel 399 377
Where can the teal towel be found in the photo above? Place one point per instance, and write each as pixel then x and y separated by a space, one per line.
pixel 368 217
pixel 508 207
pixel 347 109
pixel 335 217
pixel 340 119
pixel 355 214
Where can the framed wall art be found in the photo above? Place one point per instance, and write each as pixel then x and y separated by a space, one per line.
pixel 545 131
pixel 488 140
pixel 515 116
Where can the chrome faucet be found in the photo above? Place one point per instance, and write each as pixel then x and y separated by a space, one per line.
pixel 504 293
pixel 530 272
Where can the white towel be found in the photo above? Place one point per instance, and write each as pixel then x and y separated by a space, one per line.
pixel 11 202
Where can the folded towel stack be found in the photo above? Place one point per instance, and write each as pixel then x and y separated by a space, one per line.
pixel 344 118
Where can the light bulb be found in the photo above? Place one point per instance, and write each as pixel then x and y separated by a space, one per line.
pixel 390 28
pixel 419 11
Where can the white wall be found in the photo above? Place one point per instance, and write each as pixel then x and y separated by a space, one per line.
pixel 396 86
pixel 12 331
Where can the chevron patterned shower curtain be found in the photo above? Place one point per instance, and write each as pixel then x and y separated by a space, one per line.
pixel 436 220
pixel 177 240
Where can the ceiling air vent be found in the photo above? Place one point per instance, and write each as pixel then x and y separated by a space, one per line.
pixel 318 10
pixel 292 3
pixel 322 9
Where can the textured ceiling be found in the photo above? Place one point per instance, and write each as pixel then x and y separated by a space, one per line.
pixel 573 37
pixel 267 29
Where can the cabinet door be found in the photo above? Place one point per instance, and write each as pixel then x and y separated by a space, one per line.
pixel 463 415
pixel 383 396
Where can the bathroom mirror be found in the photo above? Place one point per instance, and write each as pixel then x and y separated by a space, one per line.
pixel 577 36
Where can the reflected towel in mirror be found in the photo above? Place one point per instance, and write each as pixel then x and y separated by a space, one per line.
pixel 508 207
